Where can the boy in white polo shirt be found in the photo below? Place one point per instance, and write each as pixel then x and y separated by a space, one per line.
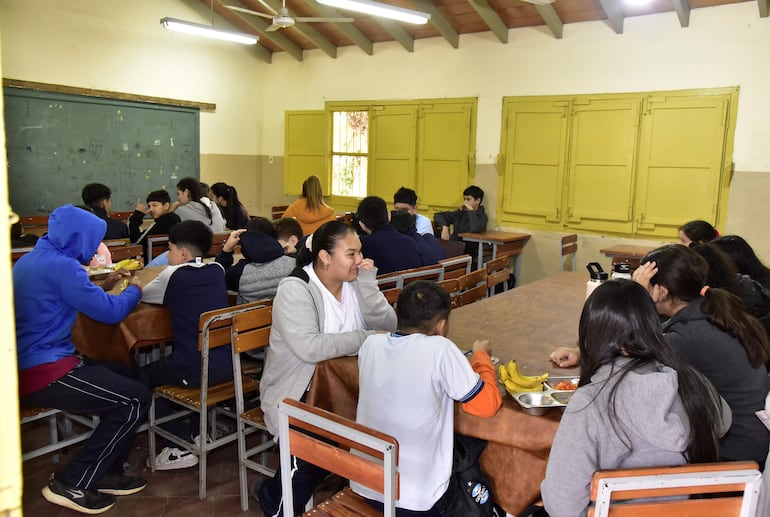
pixel 409 380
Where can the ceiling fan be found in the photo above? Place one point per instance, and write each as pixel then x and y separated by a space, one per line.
pixel 282 19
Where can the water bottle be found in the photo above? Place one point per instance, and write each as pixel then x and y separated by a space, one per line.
pixel 622 270
pixel 598 277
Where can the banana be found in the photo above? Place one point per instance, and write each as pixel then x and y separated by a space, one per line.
pixel 503 373
pixel 515 388
pixel 127 264
pixel 525 381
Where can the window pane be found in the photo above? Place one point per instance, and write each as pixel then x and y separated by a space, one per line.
pixel 351 132
pixel 349 175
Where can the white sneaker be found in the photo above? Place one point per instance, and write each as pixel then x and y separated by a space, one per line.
pixel 171 458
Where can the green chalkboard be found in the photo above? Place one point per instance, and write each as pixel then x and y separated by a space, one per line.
pixel 57 143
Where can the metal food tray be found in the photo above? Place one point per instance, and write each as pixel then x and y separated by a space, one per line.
pixel 539 402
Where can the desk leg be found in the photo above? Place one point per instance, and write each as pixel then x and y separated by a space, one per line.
pixel 516 269
pixel 480 260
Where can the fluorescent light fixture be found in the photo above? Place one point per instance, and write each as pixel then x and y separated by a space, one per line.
pixel 208 31
pixel 380 9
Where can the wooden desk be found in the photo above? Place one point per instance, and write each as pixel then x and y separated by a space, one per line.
pixel 627 253
pixel 504 243
pixel 525 324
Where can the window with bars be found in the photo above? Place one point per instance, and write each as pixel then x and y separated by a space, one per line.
pixel 350 153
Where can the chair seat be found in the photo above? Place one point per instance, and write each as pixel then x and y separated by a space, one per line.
pixel 191 397
pixel 255 417
pixel 343 504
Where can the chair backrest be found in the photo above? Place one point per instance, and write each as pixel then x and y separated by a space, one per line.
pixel 251 327
pixel 451 286
pixel 473 287
pixel 156 245
pixel 392 295
pixel 217 242
pixel 354 451
pixel 119 253
pixel 277 211
pixel 455 267
pixel 498 272
pixel 35 224
pixel 734 486
pixel 400 278
pixel 569 247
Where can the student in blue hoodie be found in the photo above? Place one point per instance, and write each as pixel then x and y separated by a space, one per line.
pixel 50 287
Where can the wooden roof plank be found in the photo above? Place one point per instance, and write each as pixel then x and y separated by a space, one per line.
pixel 682 8
pixel 439 22
pixel 552 19
pixel 491 18
pixel 614 15
pixel 347 29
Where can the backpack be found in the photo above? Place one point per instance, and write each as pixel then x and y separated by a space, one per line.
pixel 469 493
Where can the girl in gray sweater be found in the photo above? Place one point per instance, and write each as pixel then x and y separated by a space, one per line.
pixel 637 404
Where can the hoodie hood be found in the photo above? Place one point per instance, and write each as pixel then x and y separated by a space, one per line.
pixel 260 247
pixel 75 232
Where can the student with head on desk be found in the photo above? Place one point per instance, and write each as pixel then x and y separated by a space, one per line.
pixel 50 287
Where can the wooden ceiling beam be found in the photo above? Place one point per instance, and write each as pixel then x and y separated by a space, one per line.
pixel 614 15
pixel 347 29
pixel 398 33
pixel 309 32
pixel 764 8
pixel 439 22
pixel 552 19
pixel 682 8
pixel 491 18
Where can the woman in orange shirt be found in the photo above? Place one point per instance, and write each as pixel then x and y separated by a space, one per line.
pixel 310 210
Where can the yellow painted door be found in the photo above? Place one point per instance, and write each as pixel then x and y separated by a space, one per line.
pixel 533 162
pixel 680 162
pixel 393 148
pixel 444 154
pixel 600 181
pixel 306 149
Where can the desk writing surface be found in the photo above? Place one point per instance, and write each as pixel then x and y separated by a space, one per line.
pixel 495 236
pixel 627 250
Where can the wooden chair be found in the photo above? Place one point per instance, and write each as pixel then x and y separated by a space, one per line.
pixel 498 273
pixel 392 295
pixel 250 331
pixel 353 451
pixel 60 430
pixel 452 286
pixel 117 242
pixel 35 224
pixel 647 492
pixel 400 278
pixel 214 330
pixel 473 287
pixel 276 212
pixel 119 253
pixel 456 267
pixel 217 242
pixel 348 218
pixel 569 247
pixel 156 245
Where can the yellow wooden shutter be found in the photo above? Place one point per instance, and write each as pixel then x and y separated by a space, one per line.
pixel 680 162
pixel 601 166
pixel 446 144
pixel 393 149
pixel 306 149
pixel 534 145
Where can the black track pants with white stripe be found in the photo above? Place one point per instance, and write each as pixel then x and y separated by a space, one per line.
pixel 121 404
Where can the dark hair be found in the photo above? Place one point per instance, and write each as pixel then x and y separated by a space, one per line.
pixel 193 235
pixel 192 186
pixel 619 320
pixel 744 258
pixel 159 196
pixel 475 192
pixel 421 304
pixel 721 270
pixel 204 189
pixel 262 224
pixel 285 227
pixel 683 272
pixel 234 207
pixel 405 195
pixel 402 220
pixel 373 212
pixel 699 231
pixel 324 238
pixel 95 192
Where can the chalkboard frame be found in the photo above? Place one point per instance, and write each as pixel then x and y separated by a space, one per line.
pixel 133 168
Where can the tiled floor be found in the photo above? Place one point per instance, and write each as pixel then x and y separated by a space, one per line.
pixel 169 493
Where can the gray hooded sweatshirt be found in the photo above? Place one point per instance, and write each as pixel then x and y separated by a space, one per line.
pixel 195 211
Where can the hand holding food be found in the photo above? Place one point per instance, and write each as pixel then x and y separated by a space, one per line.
pixel 515 382
pixel 482 345
pixel 113 278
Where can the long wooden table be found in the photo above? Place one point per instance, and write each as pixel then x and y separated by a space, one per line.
pixel 525 324
pixel 504 243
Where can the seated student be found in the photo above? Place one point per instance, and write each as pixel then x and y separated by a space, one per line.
pixel 406 199
pixel 429 247
pixel 744 258
pixel 190 207
pixel 19 239
pixel 188 287
pixel 226 197
pixel 264 263
pixel 390 250
pixel 50 287
pixel 408 383
pixel 98 198
pixel 638 403
pixel 696 232
pixel 310 209
pixel 470 218
pixel 289 233
pixel 159 208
